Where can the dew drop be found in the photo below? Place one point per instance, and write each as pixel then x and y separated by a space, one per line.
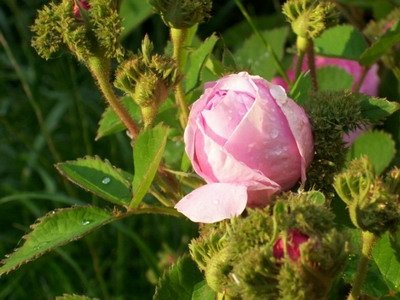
pixel 106 180
pixel 215 202
pixel 274 133
pixel 86 222
pixel 230 118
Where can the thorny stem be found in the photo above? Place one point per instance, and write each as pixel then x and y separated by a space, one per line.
pixel 100 69
pixel 299 64
pixel 179 39
pixel 358 84
pixel 368 241
pixel 311 64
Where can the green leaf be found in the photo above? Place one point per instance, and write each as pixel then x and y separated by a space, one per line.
pixel 110 123
pixel 55 229
pixel 183 281
pixel 133 13
pixel 203 292
pixel 377 145
pixel 374 284
pixel 254 56
pixel 381 46
pixel 196 62
pixel 341 41
pixel 74 297
pixel 377 109
pixel 333 78
pixel 387 261
pixel 99 177
pixel 149 148
pixel 301 88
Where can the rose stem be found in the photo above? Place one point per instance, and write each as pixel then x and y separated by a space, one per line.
pixel 179 39
pixel 100 69
pixel 368 241
pixel 311 64
pixel 277 62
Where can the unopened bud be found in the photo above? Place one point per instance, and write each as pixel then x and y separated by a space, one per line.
pixel 78 6
pixel 182 13
pixel 373 203
pixel 289 245
pixel 148 79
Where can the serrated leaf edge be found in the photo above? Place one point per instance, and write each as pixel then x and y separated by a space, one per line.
pixel 106 161
pixel 37 223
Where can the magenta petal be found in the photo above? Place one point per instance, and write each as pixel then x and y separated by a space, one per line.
pixel 214 202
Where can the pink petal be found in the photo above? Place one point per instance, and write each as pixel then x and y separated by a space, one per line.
pixel 214 162
pixel 300 127
pixel 264 140
pixel 214 202
pixel 221 121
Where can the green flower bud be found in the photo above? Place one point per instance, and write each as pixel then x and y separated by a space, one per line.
pixel 373 203
pixel 332 114
pixel 182 14
pixel 273 253
pixel 310 18
pixel 148 79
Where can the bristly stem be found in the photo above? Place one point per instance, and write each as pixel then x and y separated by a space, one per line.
pixel 368 242
pixel 311 64
pixel 276 60
pixel 100 69
pixel 299 64
pixel 179 40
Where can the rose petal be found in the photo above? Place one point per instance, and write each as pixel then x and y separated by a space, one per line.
pixel 264 138
pixel 241 82
pixel 300 126
pixel 212 161
pixel 221 121
pixel 214 202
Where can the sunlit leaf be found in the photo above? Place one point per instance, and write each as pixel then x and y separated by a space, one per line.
pixel 99 177
pixel 148 151
pixel 377 145
pixel 342 41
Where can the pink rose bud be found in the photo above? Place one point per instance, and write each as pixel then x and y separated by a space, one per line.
pixel 248 140
pixel 295 239
pixel 76 11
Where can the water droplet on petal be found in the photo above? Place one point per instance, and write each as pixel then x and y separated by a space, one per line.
pixel 106 180
pixel 215 202
pixel 86 222
pixel 230 118
pixel 274 133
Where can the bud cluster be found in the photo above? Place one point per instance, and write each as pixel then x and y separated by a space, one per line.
pixel 182 14
pixel 148 79
pixel 85 28
pixel 373 202
pixel 291 251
